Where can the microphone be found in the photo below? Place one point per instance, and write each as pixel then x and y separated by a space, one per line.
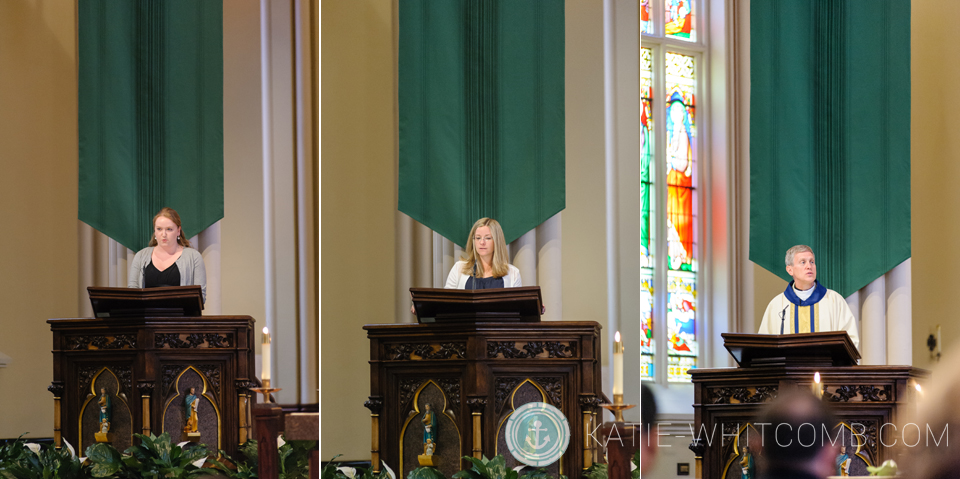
pixel 783 317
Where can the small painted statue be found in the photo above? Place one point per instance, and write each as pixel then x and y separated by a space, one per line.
pixel 106 410
pixel 747 468
pixel 191 405
pixel 429 421
pixel 843 462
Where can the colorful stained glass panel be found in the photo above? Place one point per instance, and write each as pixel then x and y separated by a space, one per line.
pixel 681 324
pixel 646 21
pixel 681 156
pixel 646 156
pixel 647 344
pixel 680 20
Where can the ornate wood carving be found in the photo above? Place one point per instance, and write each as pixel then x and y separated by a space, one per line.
pixel 866 393
pixel 244 386
pixel 170 372
pixel 94 342
pixel 451 388
pixel 590 402
pixel 84 376
pixel 123 376
pixel 145 388
pixel 698 447
pixel 553 388
pixel 729 433
pixel 212 372
pixel 374 404
pixel 56 388
pixel 742 395
pixel 421 351
pixel 504 387
pixel 531 349
pixel 192 340
pixel 407 388
pixel 477 404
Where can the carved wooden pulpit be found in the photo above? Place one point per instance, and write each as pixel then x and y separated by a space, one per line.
pixel 727 401
pixel 476 357
pixel 146 355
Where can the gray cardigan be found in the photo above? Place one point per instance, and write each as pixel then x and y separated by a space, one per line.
pixel 190 264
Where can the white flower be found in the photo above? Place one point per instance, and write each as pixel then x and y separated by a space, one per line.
pixel 633 466
pixel 199 462
pixel 33 447
pixel 521 466
pixel 182 443
pixel 389 471
pixel 281 442
pixel 348 471
pixel 73 453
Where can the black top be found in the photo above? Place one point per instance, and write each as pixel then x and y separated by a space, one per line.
pixel 154 278
pixel 483 283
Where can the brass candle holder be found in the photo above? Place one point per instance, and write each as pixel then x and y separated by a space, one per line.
pixel 266 390
pixel 618 407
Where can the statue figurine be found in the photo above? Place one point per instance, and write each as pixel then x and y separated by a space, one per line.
pixel 843 462
pixel 191 405
pixel 105 410
pixel 747 469
pixel 429 421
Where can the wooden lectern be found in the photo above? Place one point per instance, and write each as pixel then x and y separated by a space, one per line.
pixel 727 401
pixel 484 355
pixel 146 349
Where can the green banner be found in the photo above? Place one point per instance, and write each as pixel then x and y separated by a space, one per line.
pixel 150 114
pixel 830 136
pixel 481 107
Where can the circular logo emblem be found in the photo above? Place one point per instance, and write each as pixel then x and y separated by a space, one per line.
pixel 537 434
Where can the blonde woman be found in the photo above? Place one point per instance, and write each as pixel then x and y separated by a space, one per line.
pixel 484 264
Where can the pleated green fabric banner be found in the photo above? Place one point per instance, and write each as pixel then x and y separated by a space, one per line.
pixel 481 99
pixel 830 136
pixel 150 114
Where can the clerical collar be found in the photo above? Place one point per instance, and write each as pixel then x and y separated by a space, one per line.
pixel 803 295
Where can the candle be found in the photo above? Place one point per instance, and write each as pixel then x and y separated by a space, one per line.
pixel 265 354
pixel 817 391
pixel 617 365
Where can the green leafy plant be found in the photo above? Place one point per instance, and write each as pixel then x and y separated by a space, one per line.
pixel 425 473
pixel 635 474
pixel 596 471
pixel 244 468
pixel 32 461
pixel 155 457
pixel 295 458
pixel 495 468
pixel 331 471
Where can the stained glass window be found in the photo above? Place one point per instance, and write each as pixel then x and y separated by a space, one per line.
pixel 669 228
pixel 646 21
pixel 647 343
pixel 679 20
pixel 681 152
pixel 682 348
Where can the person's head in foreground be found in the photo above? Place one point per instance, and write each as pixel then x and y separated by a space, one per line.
pixel 648 418
pixel 802 265
pixel 933 454
pixel 795 440
pixel 486 248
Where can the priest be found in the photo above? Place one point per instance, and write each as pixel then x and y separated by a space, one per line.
pixel 806 306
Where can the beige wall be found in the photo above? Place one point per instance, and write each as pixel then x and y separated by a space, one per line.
pixel 38 203
pixel 358 200
pixel 934 149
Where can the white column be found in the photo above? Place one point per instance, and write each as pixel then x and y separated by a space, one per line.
pixel 269 266
pixel 208 243
pixel 899 316
pixel 873 323
pixel 610 162
pixel 549 271
pixel 524 256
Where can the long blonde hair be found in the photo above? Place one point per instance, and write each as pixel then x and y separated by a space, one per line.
pixel 473 266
